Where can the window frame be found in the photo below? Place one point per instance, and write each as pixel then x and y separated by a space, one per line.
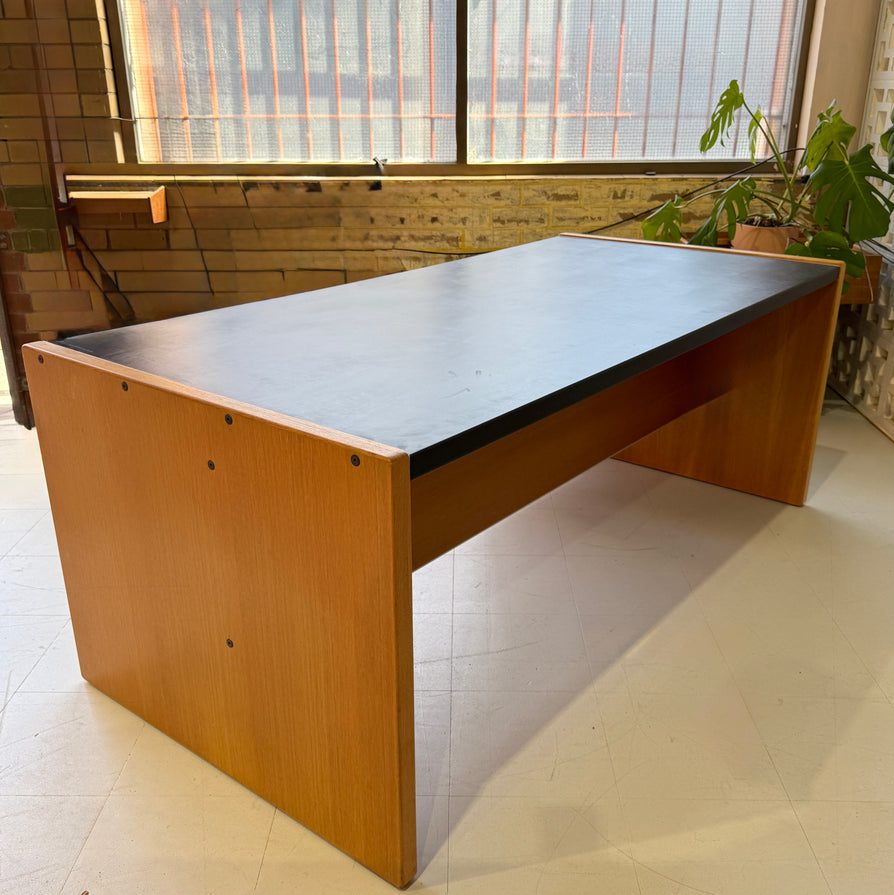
pixel 461 167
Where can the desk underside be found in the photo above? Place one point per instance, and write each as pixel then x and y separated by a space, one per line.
pixel 297 549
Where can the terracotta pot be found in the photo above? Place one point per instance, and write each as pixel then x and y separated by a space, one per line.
pixel 773 240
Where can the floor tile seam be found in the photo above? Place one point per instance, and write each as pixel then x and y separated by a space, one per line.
pixel 266 846
pixel 87 836
pixel 760 735
pixel 448 837
pixel 8 697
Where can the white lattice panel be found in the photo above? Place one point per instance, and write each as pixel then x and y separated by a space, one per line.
pixel 862 367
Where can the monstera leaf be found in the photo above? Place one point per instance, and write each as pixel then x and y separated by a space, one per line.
pixel 827 244
pixel 731 100
pixel 848 201
pixel 665 224
pixel 732 203
pixel 831 132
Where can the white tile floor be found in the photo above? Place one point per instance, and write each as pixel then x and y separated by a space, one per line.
pixel 640 684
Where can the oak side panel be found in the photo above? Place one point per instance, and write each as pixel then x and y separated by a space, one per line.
pixel 760 436
pixel 259 611
pixel 456 501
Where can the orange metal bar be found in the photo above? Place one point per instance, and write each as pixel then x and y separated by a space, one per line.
pixel 337 66
pixel 744 82
pixel 646 117
pixel 244 71
pixel 212 79
pixel 680 79
pixel 144 80
pixel 588 89
pixel 619 83
pixel 524 135
pixel 557 77
pixel 181 79
pixel 493 81
pixel 306 69
pixel 274 74
pixel 369 81
pixel 400 80
pixel 431 74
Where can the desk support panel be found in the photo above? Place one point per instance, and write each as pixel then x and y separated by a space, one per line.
pixel 760 436
pixel 242 582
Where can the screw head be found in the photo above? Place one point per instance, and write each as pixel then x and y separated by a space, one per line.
pixel 40 358
pixel 211 464
pixel 228 420
pixel 124 386
pixel 355 460
pixel 229 643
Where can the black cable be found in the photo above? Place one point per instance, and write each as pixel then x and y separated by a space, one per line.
pixel 105 273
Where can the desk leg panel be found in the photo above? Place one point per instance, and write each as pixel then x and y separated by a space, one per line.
pixel 242 582
pixel 759 436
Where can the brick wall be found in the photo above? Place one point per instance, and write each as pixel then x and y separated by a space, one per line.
pixel 231 241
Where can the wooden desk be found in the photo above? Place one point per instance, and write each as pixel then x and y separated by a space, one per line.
pixel 240 495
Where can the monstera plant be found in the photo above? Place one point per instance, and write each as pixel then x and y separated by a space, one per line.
pixel 835 198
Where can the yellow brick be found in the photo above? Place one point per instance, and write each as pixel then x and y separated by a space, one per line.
pixel 25 151
pixel 213 195
pixel 61 300
pixel 15 9
pixel 292 194
pixel 122 240
pixel 182 239
pixel 96 239
pixel 45 261
pixel 308 280
pixel 282 217
pixel 63 80
pixel 74 152
pixel 59 56
pixel 86 31
pixel 18 31
pixel 89 56
pixel 70 129
pixel 95 106
pixel 161 305
pixel 221 218
pixel 18 80
pixel 82 9
pixel 66 320
pixel 92 81
pixel 163 281
pixel 575 218
pixel 21 129
pixel 49 9
pixel 550 192
pixel 355 275
pixel 425 240
pixel 67 105
pixel 519 217
pixel 427 216
pixel 19 105
pixel 20 175
pixel 53 31
pixel 268 283
pixel 37 280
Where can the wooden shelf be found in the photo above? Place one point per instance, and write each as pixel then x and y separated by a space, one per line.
pixel 121 201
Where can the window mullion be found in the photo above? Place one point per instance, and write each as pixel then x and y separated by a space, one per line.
pixel 462 81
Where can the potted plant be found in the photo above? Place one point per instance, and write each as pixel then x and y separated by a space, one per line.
pixel 828 202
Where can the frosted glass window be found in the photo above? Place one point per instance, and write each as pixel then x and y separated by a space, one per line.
pixel 548 80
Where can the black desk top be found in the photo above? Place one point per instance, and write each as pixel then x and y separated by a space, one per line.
pixel 445 359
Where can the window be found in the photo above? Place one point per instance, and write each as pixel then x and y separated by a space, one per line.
pixel 543 81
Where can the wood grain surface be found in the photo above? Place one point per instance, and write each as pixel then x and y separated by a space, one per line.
pixel 259 611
